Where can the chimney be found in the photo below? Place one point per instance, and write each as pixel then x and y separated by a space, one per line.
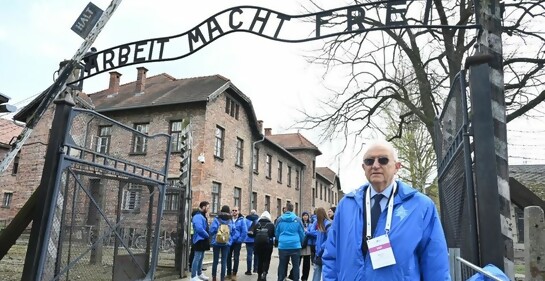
pixel 268 131
pixel 260 126
pixel 114 82
pixel 141 79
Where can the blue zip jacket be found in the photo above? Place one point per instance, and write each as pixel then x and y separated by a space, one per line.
pixel 289 232
pixel 241 229
pixel 223 218
pixel 311 239
pixel 416 237
pixel 319 237
pixel 199 227
pixel 250 220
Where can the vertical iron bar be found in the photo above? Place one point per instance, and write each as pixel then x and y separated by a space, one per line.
pixel 468 169
pixel 39 235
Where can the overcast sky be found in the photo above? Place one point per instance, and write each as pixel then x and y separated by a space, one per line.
pixel 35 35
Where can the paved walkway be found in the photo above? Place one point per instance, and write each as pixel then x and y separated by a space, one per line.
pixel 273 269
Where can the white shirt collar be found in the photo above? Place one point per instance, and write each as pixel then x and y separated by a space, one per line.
pixel 387 192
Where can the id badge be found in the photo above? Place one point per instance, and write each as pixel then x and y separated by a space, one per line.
pixel 381 252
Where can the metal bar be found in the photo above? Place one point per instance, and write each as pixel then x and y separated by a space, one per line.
pixel 468 170
pixel 490 232
pixel 479 269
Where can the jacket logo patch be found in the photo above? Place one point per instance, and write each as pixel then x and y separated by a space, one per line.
pixel 401 212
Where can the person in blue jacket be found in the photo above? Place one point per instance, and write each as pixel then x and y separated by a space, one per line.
pixel 412 248
pixel 223 218
pixel 200 241
pixel 290 234
pixel 319 230
pixel 234 252
pixel 251 219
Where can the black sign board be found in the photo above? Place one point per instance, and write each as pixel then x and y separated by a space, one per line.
pixel 361 18
pixel 87 20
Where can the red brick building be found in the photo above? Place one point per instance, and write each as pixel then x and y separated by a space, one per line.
pixel 8 130
pixel 234 163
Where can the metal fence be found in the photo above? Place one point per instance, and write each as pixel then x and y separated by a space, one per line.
pixel 106 222
pixel 455 175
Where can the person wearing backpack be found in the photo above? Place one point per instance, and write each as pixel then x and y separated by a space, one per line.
pixel 319 230
pixel 263 234
pixel 290 234
pixel 251 219
pixel 222 232
pixel 200 241
pixel 233 257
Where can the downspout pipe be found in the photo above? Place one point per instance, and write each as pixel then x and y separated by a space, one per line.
pixel 251 173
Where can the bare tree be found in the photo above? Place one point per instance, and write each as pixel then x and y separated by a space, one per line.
pixel 415 151
pixel 434 56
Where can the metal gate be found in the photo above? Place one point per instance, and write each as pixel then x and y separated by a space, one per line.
pixel 105 220
pixel 455 178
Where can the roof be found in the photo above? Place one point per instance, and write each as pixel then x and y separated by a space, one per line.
pixel 161 89
pixel 9 130
pixel 294 141
pixel 528 173
pixel 328 174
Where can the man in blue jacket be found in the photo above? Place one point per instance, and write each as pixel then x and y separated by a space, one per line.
pixel 289 233
pixel 200 240
pixel 234 252
pixel 251 219
pixel 385 230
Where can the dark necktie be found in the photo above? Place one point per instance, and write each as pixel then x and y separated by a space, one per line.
pixel 375 212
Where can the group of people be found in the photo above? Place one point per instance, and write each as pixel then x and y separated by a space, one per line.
pixel 384 230
pixel 297 238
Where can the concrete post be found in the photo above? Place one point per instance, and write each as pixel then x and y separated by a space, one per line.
pixel 534 248
pixel 488 14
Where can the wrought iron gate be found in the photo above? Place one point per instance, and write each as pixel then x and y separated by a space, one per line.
pixel 455 177
pixel 105 222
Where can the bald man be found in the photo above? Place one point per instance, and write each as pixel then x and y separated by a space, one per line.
pixel 385 230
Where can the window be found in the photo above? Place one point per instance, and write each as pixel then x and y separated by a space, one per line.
pixel 321 191
pixel 296 208
pixel 236 197
pixel 313 197
pixel 6 202
pixel 254 200
pixel 280 171
pixel 268 203
pixel 232 107
pixel 314 169
pixel 255 161
pixel 216 191
pixel 268 165
pixel 15 165
pixel 289 175
pixel 176 136
pixel 172 195
pixel 297 183
pixel 279 206
pixel 240 152
pixel 140 143
pixel 131 197
pixel 103 139
pixel 220 138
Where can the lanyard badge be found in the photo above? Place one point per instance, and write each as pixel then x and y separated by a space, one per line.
pixel 380 249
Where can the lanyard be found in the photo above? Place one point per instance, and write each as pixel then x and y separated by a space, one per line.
pixel 368 211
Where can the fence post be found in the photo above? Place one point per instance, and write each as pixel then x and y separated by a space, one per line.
pixel 534 248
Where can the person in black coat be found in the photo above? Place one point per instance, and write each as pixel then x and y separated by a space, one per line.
pixel 263 251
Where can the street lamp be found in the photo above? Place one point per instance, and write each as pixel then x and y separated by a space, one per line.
pixel 4 107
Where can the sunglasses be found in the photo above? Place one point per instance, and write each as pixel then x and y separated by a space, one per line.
pixel 371 161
